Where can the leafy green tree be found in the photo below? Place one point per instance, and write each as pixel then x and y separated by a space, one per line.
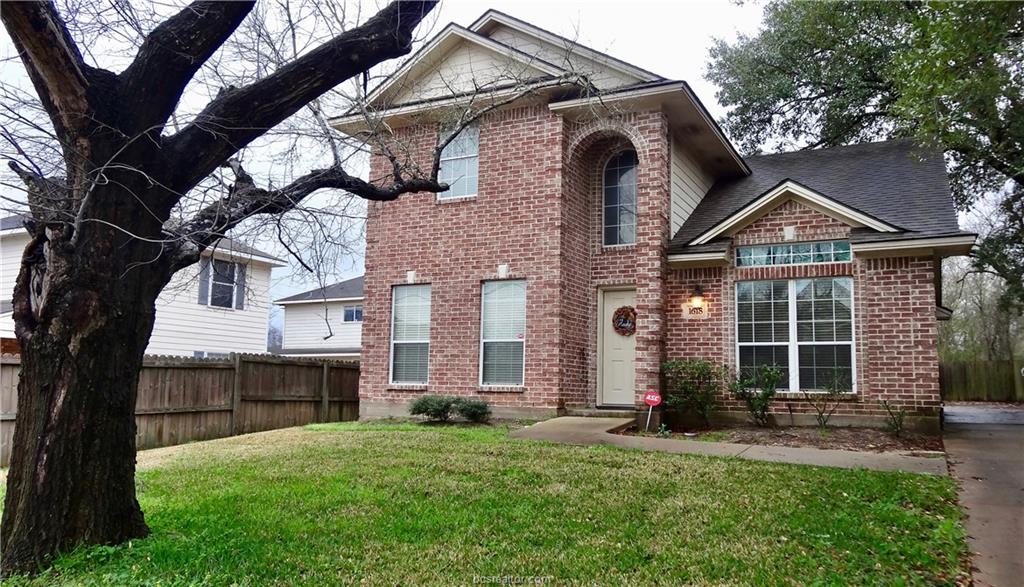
pixel 946 74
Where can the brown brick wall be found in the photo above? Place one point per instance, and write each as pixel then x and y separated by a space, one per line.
pixel 895 330
pixel 538 210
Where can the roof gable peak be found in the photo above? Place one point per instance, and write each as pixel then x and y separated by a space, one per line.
pixel 786 190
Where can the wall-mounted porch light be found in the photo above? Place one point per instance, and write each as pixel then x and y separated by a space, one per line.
pixel 697 297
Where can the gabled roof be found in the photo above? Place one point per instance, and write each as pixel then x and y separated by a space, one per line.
pixel 434 50
pixel 494 17
pixel 894 183
pixel 224 247
pixel 351 289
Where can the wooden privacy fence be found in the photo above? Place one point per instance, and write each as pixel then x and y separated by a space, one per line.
pixel 183 399
pixel 992 381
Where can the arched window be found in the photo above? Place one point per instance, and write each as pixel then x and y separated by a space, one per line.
pixel 620 199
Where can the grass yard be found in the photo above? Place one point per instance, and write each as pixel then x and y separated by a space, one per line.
pixel 410 504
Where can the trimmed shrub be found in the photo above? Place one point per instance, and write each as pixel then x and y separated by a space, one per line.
pixel 693 386
pixel 435 407
pixel 474 410
pixel 758 392
pixel 827 402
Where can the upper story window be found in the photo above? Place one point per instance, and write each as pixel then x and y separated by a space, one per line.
pixel 793 254
pixel 222 284
pixel 354 313
pixel 620 199
pixel 460 161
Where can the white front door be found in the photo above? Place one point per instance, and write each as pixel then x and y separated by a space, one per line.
pixel 616 352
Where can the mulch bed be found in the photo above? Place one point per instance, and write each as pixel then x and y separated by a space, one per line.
pixel 857 439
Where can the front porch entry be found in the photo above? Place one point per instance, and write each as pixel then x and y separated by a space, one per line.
pixel 616 353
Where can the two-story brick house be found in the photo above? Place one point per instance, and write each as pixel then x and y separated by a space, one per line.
pixel 588 237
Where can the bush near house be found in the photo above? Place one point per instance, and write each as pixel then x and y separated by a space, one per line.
pixel 691 387
pixel 441 408
pixel 757 391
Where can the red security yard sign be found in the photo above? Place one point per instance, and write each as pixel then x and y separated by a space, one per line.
pixel 651 398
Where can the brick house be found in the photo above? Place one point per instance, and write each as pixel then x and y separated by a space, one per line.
pixel 570 213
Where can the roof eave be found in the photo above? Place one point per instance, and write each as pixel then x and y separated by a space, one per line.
pixel 684 111
pixel 942 246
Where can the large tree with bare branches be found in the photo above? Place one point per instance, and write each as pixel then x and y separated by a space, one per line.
pixel 108 233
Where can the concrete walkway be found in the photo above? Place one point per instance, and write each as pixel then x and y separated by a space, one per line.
pixel 587 431
pixel 988 460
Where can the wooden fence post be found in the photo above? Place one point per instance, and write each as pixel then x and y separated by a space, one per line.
pixel 236 396
pixel 325 407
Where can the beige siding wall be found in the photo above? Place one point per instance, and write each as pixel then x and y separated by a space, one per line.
pixel 183 325
pixel 457 71
pixel 11 247
pixel 307 325
pixel 599 73
pixel 689 184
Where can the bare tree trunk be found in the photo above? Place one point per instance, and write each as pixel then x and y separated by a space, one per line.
pixel 72 476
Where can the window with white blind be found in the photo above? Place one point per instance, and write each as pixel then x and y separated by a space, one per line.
pixel 410 334
pixel 803 326
pixel 460 161
pixel 502 332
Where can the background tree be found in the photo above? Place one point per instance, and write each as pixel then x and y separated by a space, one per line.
pixel 129 203
pixel 947 74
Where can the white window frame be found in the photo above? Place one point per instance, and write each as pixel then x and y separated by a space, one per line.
pixel 480 373
pixel 812 244
pixel 234 285
pixel 604 205
pixel 391 357
pixel 442 159
pixel 793 345
pixel 344 310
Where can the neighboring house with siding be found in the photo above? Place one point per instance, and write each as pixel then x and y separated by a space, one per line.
pixel 588 237
pixel 218 306
pixel 324 322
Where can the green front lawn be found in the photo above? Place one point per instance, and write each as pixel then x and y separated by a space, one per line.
pixel 409 504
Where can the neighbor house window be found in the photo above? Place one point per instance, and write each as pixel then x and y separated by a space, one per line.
pixel 502 332
pixel 793 254
pixel 410 334
pixel 803 326
pixel 354 313
pixel 459 163
pixel 620 199
pixel 221 284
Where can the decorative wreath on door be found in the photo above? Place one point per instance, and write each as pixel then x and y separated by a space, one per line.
pixel 624 321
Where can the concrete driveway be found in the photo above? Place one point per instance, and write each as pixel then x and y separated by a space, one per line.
pixel 985 445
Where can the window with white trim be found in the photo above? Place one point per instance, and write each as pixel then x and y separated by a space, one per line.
pixel 410 333
pixel 619 199
pixel 353 313
pixel 460 161
pixel 222 284
pixel 802 326
pixel 503 332
pixel 793 254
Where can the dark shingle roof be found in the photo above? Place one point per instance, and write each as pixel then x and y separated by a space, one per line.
pixel 894 181
pixel 352 288
pixel 10 222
